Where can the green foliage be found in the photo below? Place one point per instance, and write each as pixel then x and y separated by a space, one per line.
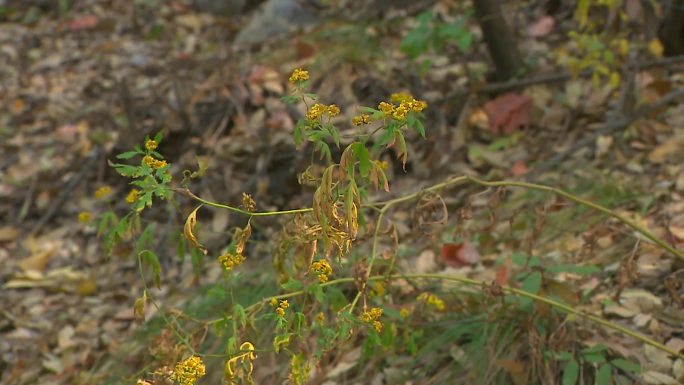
pixel 327 291
pixel 432 34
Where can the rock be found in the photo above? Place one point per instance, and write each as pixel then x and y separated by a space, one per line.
pixel 220 7
pixel 276 19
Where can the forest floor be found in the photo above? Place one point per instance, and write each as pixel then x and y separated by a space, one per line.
pixel 80 85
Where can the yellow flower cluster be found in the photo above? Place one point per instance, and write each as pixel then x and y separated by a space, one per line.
pixel 230 260
pixel 248 202
pixel 406 104
pixel 322 269
pixel 154 163
pixel 318 109
pixel 132 196
pixel 432 300
pixel 188 371
pixel 404 312
pixel 361 120
pixel 281 306
pixel 151 145
pixel 103 192
pixel 84 217
pixel 299 75
pixel 371 317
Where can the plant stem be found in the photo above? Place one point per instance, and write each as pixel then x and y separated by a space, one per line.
pixel 473 282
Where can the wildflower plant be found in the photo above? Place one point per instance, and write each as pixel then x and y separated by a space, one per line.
pixel 318 250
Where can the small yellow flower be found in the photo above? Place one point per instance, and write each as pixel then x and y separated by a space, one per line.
pixel 371 315
pixel 419 105
pixel 151 145
pixel 274 302
pixel 188 371
pixel 432 300
pixel 322 269
pixel 361 120
pixel 378 326
pixel 149 160
pixel 230 260
pixel 404 312
pixel 84 217
pixel 400 113
pixel 316 111
pixel 248 202
pixel 154 163
pixel 382 164
pixel 378 289
pixel 299 75
pixel 132 196
pixel 385 107
pixel 333 110
pixel 284 304
pixel 400 97
pixel 280 311
pixel 320 317
pixel 103 192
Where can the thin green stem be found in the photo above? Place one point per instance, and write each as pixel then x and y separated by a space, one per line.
pixel 244 212
pixel 507 289
pixel 633 225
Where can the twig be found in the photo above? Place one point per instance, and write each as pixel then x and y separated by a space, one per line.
pixel 467 281
pixel 609 129
pixel 493 88
pixel 67 189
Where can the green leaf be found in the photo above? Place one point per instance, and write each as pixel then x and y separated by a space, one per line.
pixel 158 138
pixel 604 375
pixel 151 259
pixel 420 128
pixel 281 340
pixel 564 356
pixel 519 259
pixel 575 269
pixel 531 284
pixel 324 149
pixel 363 156
pixel 127 155
pixel 594 358
pixel 239 315
pixel 369 111
pixel 317 292
pixel 571 373
pixel 289 99
pixel 292 285
pixel 181 247
pixel 128 171
pixel 595 349
pixel 626 366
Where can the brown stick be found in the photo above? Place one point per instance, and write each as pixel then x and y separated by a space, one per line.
pixel 609 129
pixel 493 88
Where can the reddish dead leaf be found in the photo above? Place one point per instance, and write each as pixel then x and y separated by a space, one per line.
pixel 508 113
pixel 542 27
pixel 83 22
pixel 304 50
pixel 502 275
pixel 458 255
pixel 519 168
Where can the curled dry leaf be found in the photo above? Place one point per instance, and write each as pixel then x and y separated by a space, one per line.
pixel 83 22
pixel 508 113
pixel 189 228
pixel 459 255
pixel 543 26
